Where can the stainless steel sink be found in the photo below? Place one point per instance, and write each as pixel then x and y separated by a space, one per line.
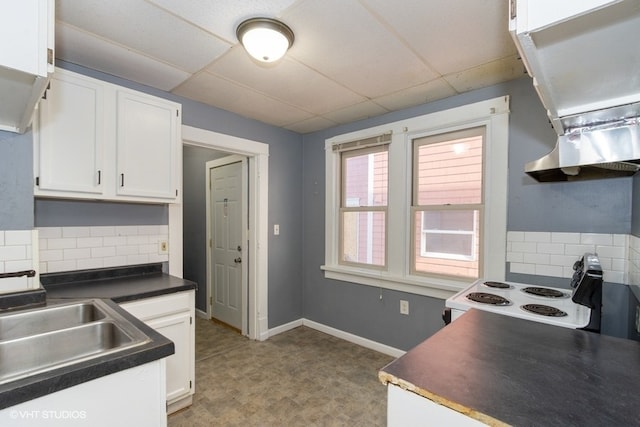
pixel 33 322
pixel 39 340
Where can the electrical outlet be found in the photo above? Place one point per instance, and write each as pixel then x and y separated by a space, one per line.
pixel 163 247
pixel 404 307
pixel 276 229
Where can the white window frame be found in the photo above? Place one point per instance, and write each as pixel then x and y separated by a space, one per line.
pixel 446 255
pixel 493 114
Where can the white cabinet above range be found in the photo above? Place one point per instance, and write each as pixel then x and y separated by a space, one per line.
pixel 97 140
pixel 582 56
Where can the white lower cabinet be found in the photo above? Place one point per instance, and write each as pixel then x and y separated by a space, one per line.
pixel 133 397
pixel 173 316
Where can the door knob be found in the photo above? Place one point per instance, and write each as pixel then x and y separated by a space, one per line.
pixel 237 260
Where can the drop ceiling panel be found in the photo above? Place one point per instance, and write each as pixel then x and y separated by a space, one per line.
pixel 356 112
pixel 416 95
pixel 486 74
pixel 451 36
pixel 313 124
pixel 82 48
pixel 286 80
pixel 222 17
pixel 145 28
pixel 342 40
pixel 207 88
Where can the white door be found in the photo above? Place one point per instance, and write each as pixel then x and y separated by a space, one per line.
pixel 227 243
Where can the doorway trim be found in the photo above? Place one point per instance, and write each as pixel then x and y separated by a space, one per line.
pixel 258 156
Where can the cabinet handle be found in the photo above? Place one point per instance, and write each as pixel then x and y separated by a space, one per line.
pixel 121 180
pixel 99 176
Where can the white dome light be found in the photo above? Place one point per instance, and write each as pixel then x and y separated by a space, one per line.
pixel 265 39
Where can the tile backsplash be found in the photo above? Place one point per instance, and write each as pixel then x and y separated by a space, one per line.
pixel 18 252
pixel 81 248
pixel 553 254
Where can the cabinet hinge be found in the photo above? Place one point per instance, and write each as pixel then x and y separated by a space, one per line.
pixel 513 7
pixel 37 180
pixel 50 56
pixel 210 243
pixel 177 113
pixel 176 192
pixel 191 320
pixel 210 298
pixel 190 385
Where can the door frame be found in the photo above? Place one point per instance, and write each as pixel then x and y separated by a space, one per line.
pixel 257 266
pixel 245 253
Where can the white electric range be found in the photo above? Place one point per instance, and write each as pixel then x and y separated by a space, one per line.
pixel 543 304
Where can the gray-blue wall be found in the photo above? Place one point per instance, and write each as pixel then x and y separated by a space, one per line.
pixel 596 206
pixel 285 208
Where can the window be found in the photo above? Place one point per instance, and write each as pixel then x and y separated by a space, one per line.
pixel 408 203
pixel 448 203
pixel 363 210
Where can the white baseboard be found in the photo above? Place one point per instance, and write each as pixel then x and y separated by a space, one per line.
pixel 202 314
pixel 364 342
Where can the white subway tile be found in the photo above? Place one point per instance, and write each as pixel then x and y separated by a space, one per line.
pixel 67 265
pixel 596 239
pixel 619 264
pixel 115 261
pixel 536 259
pixel 148 249
pixel 537 236
pixel 127 230
pixel 515 236
pixel 567 238
pixel 23 264
pixel 567 272
pixel 522 268
pixel 605 263
pixel 114 241
pixel 43 244
pixel 84 264
pixel 549 270
pixel 103 231
pixel 89 242
pixel 1 238
pixel 137 259
pixel 620 240
pixel 14 284
pixel 578 250
pixel 551 248
pixel 158 257
pixel 148 229
pixel 563 260
pixel 2 270
pixel 515 257
pixel 76 232
pixel 13 253
pixel 127 250
pixel 43 268
pixel 50 232
pixel 525 247
pixel 51 255
pixel 611 251
pixel 137 240
pixel 63 243
pixel 81 253
pixel 105 252
pixel 17 237
pixel 613 277
pixel 163 229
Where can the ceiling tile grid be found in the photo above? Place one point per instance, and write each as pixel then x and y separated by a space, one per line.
pixel 351 59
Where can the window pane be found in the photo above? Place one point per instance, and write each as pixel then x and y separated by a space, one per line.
pixel 363 237
pixel 449 172
pixel 447 242
pixel 365 178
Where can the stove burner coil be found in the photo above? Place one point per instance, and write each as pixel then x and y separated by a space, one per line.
pixel 543 310
pixel 497 285
pixel 544 292
pixel 486 298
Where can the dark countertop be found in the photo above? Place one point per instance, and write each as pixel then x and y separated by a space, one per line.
pixel 118 284
pixel 503 370
pixel 113 285
pixel 34 386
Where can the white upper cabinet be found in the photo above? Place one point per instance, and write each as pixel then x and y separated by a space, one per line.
pixel 146 145
pixel 96 140
pixel 580 53
pixel 70 150
pixel 26 59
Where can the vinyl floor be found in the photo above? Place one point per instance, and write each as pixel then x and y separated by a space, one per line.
pixel 301 377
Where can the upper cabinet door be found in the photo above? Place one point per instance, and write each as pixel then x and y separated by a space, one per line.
pixel 147 142
pixel 69 145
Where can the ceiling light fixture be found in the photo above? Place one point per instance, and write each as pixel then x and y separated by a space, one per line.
pixel 265 39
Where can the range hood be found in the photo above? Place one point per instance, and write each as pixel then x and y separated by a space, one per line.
pixel 603 144
pixel 584 62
